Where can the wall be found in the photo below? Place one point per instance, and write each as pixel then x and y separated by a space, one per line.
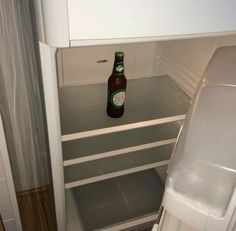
pixel 183 60
pixel 186 60
pixel 86 65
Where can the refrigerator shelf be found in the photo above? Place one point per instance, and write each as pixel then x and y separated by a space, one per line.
pixel 119 143
pixel 115 204
pixel 149 101
pixel 102 169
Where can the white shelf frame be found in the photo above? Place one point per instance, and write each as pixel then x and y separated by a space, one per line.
pixel 50 87
pixel 132 223
pixel 115 174
pixel 103 131
pixel 117 152
pixel 114 41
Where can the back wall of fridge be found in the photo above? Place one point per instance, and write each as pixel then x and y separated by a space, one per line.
pixel 183 60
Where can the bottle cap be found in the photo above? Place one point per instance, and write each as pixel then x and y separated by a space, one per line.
pixel 119 54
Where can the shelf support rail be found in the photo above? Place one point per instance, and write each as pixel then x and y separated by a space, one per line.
pixel 117 152
pixel 102 131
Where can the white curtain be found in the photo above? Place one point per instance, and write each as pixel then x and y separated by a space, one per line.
pixel 21 104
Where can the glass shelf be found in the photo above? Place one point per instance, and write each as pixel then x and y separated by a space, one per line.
pixel 93 171
pixel 87 149
pixel 83 108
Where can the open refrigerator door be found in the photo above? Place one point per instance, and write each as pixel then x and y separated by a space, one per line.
pixel 200 188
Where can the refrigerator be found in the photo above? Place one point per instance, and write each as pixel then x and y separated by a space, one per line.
pixel 168 163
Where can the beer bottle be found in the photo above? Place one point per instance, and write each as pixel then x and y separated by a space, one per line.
pixel 116 88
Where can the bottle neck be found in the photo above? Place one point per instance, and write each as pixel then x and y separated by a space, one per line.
pixel 118 67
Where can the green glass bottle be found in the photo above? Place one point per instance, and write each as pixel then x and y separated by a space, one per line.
pixel 116 88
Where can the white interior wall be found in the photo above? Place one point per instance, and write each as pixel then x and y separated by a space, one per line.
pixel 89 65
pixel 186 60
pixel 183 60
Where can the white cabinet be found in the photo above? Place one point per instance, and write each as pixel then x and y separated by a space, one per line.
pixel 62 23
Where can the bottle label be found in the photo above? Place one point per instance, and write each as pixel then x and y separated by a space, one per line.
pixel 118 98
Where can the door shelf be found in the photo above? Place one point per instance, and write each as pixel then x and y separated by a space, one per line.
pixel 93 171
pixel 115 204
pixel 119 143
pixel 149 101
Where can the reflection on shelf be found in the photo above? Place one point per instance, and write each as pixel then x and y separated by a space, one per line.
pixel 149 101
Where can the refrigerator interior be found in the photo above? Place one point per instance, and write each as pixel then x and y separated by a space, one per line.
pixel 115 169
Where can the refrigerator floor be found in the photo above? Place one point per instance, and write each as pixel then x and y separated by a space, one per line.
pixel 114 201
